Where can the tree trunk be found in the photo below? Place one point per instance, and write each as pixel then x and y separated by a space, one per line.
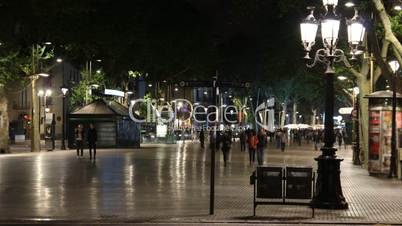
pixel 125 100
pixel 364 85
pixel 313 119
pixel 35 132
pixel 283 115
pixel 4 148
pixel 294 115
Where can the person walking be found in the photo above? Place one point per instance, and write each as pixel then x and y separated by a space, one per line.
pixel 92 138
pixel 79 139
pixel 339 138
pixel 242 137
pixel 202 137
pixel 283 139
pixel 226 140
pixel 278 138
pixel 252 146
pixel 262 142
pixel 316 139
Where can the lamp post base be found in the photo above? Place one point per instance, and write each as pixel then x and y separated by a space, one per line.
pixel 328 186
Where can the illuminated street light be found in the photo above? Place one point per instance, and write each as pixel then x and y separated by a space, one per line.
pixel 329 193
pixel 349 4
pixel 41 93
pixel 64 90
pixel 43 74
pixel 342 78
pixel 394 65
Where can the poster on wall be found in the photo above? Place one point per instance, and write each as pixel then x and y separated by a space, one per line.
pixel 374 135
pixel 386 127
pixel 374 141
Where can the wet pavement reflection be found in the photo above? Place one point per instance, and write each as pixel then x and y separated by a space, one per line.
pixel 121 183
pixel 159 181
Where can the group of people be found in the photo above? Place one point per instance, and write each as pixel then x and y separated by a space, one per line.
pixel 91 136
pixel 256 143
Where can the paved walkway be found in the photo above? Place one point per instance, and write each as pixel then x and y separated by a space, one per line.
pixel 170 183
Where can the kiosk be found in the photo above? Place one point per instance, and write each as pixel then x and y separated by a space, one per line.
pixel 379 132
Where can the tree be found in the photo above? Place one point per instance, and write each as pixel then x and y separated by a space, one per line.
pixel 7 78
pixel 383 32
pixel 81 93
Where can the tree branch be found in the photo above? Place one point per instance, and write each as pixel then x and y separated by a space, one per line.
pixel 384 17
pixel 381 60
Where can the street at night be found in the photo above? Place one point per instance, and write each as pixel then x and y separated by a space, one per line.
pixel 201 112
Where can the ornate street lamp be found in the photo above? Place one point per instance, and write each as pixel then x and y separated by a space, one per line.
pixel 328 186
pixel 64 90
pixel 356 32
pixel 394 65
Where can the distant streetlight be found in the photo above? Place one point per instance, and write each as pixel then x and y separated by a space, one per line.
pixel 98 71
pixel 42 75
pixel 394 65
pixel 329 190
pixel 149 85
pixel 349 4
pixel 59 60
pixel 342 78
pixel 176 89
pixel 64 90
pixel 398 5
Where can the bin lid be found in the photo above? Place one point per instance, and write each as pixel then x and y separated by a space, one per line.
pixel 382 94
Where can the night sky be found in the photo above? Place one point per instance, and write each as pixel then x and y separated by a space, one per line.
pixel 242 39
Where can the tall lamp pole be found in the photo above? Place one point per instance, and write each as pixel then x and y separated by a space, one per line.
pixel 64 90
pixel 394 65
pixel 356 144
pixel 328 186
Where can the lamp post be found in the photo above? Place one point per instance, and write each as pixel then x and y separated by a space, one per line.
pixel 64 90
pixel 394 65
pixel 356 144
pixel 328 186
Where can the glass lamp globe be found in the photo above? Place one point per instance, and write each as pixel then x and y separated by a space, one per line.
pixel 329 32
pixel 330 2
pixel 394 65
pixel 356 29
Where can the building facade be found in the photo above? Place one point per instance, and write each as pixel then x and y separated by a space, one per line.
pixel 50 100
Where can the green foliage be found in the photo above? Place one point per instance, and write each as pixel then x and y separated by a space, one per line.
pixel 80 92
pixel 17 65
pixel 396 23
pixel 134 74
pixel 9 68
pixel 32 62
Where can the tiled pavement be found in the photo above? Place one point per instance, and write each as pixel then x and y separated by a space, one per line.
pixel 170 183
